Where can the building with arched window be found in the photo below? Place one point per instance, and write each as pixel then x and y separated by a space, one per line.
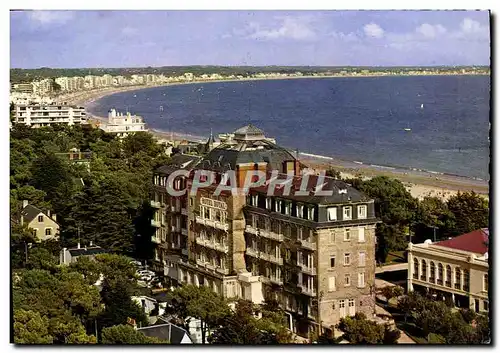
pixel 455 270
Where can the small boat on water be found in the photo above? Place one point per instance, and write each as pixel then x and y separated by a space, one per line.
pixel 135 95
pixel 407 129
pixel 422 106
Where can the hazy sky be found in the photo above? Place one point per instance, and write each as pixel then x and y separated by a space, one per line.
pixel 157 38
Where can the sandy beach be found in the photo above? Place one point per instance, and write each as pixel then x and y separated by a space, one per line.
pixel 419 183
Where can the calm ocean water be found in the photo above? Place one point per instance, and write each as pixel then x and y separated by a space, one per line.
pixel 359 119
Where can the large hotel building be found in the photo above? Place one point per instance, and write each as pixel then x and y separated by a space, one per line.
pixel 313 254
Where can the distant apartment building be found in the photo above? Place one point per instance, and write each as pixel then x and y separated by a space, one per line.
pixel 315 255
pixel 21 98
pixel 40 115
pixel 122 125
pixel 43 87
pixel 22 87
pixel 455 269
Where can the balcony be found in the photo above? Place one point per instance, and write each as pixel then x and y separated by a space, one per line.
pixel 184 231
pixel 448 284
pixel 308 245
pixel 184 211
pixel 174 229
pixel 212 245
pixel 156 204
pixel 252 252
pixel 251 230
pixel 155 223
pixel 307 291
pixel 309 270
pixel 211 223
pixel 155 240
pixel 439 281
pixel 265 256
pixel 276 260
pixel 223 271
pixel 270 235
pixel 276 280
pixel 222 226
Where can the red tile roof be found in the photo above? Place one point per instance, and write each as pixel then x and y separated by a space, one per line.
pixel 475 241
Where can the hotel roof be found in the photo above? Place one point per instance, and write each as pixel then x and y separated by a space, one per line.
pixel 475 241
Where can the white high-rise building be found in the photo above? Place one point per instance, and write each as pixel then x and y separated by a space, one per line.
pixel 39 115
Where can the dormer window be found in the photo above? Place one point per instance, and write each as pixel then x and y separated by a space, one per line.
pixel 300 211
pixel 268 203
pixel 310 213
pixel 332 213
pixel 288 208
pixel 255 200
pixel 277 206
pixel 347 213
pixel 362 212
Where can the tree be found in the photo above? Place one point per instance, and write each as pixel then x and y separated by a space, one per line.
pixel 126 334
pixel 243 326
pixel 119 307
pixel 471 212
pixel 201 303
pixel 390 292
pixel 333 173
pixel 31 328
pixel 358 330
pixel 432 214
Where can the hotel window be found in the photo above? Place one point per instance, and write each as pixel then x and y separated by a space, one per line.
pixel 423 276
pixel 268 203
pixel 310 213
pixel 288 207
pixel 361 280
pixel 300 211
pixel 362 212
pixel 466 281
pixel 347 234
pixel 254 220
pixel 331 284
pixel 40 219
pixel 362 259
pixel 347 259
pixel 332 213
pixel 347 213
pixel 361 234
pixel 277 206
pixel 432 272
pixel 347 280
pixel 485 283
pixel 458 278
pixel 48 231
pixel 485 305
pixel 448 276
pixel 255 200
pixel 440 274
pixel 415 268
pixel 332 261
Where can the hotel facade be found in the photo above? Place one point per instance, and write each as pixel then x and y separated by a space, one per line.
pixel 314 255
pixel 455 269
pixel 40 115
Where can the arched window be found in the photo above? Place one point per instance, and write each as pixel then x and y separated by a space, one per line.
pixel 432 276
pixel 440 274
pixel 448 276
pixel 423 276
pixel 466 281
pixel 415 268
pixel 458 278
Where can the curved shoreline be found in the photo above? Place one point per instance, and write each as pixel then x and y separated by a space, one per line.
pixel 438 180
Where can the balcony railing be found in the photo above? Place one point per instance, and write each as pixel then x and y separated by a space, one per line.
pixel 466 288
pixel 155 223
pixel 448 284
pixel 439 281
pixel 184 231
pixel 184 252
pixel 252 252
pixel 308 270
pixel 432 279
pixel 276 280
pixel 276 260
pixel 270 235
pixel 184 211
pixel 224 271
pixel 155 239
pixel 155 204
pixel 307 291
pixel 212 245
pixel 251 230
pixel 423 277
pixel 211 223
pixel 457 285
pixel 308 245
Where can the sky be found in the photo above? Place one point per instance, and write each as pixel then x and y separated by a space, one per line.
pixel 85 38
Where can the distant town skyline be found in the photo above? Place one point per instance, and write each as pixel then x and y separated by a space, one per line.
pixel 72 39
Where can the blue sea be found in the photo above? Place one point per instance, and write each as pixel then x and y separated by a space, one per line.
pixel 357 119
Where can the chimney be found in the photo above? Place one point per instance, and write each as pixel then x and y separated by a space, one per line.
pixel 64 256
pixel 48 213
pixel 54 217
pixel 25 203
pixel 91 243
pixel 78 247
